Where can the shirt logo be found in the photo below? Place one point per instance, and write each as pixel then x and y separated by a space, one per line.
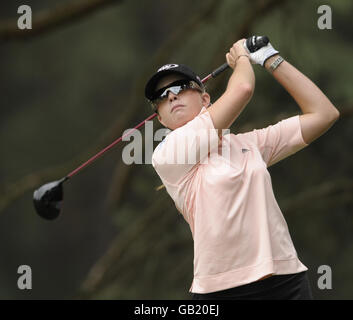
pixel 243 150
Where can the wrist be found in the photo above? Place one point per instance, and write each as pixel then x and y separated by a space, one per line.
pixel 242 57
pixel 241 60
pixel 270 60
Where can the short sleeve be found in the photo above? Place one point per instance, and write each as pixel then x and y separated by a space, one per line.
pixel 276 142
pixel 184 148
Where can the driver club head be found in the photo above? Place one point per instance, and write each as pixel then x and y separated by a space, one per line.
pixel 48 199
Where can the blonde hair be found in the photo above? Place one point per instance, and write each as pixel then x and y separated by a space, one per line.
pixel 160 187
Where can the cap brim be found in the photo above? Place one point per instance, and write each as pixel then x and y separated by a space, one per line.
pixel 153 82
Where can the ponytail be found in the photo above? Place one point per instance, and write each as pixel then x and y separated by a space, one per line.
pixel 160 187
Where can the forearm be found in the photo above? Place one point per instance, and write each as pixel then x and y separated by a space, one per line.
pixel 243 75
pixel 308 96
pixel 239 91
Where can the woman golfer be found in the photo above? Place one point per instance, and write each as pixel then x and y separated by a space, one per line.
pixel 242 246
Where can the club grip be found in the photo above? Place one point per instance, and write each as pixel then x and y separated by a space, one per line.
pixel 254 43
pixel 220 69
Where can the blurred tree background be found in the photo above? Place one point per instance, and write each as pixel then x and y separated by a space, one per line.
pixel 74 83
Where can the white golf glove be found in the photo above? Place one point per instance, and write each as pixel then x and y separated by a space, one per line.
pixel 260 56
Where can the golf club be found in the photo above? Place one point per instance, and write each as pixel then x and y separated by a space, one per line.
pixel 48 198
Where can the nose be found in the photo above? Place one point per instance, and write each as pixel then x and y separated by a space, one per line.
pixel 172 96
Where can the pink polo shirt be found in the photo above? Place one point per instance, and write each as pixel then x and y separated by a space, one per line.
pixel 239 232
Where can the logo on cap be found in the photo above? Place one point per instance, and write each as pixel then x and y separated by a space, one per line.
pixel 167 67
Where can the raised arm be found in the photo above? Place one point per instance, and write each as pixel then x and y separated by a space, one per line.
pixel 239 90
pixel 319 114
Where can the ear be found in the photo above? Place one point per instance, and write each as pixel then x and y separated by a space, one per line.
pixel 206 99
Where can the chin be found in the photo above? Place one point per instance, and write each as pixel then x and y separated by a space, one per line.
pixel 184 119
pixel 179 123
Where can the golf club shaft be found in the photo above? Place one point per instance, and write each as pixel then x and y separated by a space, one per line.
pixel 213 74
pixel 109 147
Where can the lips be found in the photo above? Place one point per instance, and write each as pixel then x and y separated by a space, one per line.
pixel 177 106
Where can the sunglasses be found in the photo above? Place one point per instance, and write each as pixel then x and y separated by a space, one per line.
pixel 175 87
